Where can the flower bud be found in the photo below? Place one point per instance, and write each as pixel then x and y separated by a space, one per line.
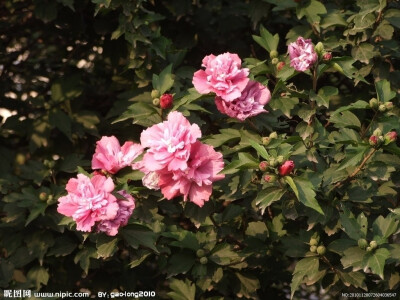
pixel 377 132
pixel 321 250
pixel 319 48
pixel 50 199
pixel 200 253
pixel 265 140
pixel 313 242
pixel 43 196
pixel 390 137
pixel 263 166
pixel 280 159
pixel 273 162
pixel 155 94
pixel 373 140
pixel 156 101
pixel 382 108
pixel 369 249
pixel 389 105
pixel 275 60
pixel 270 178
pixel 273 54
pixel 20 159
pixel 280 65
pixel 327 56
pixel 273 135
pixel 362 243
pixel 374 103
pixel 286 168
pixel 203 260
pixel 166 101
pixel 373 244
pixel 313 249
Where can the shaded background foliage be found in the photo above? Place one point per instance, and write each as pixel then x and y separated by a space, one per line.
pixel 73 71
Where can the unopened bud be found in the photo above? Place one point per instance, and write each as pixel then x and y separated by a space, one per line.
pixel 270 178
pixel 377 132
pixel 265 140
pixel 203 260
pixel 321 250
pixel 374 103
pixel 382 108
pixel 263 166
pixel 327 56
pixel 273 54
pixel 274 61
pixel 373 244
pixel 43 196
pixel 362 243
pixel 286 168
pixel 280 159
pixel 273 162
pixel 280 65
pixel 319 48
pixel 155 94
pixel 156 101
pixel 373 140
pixel 166 101
pixel 313 249
pixel 390 137
pixel 273 135
pixel 389 105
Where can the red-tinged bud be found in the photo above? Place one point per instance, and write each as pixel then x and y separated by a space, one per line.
pixel 373 140
pixel 99 172
pixel 327 56
pixel 390 137
pixel 280 65
pixel 166 101
pixel 270 178
pixel 286 168
pixel 263 166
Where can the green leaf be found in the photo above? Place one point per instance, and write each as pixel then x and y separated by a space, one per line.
pixel 83 257
pixel 106 246
pixel 353 157
pixel 356 279
pixel 61 121
pixel 333 19
pixel 6 272
pixel 66 89
pixel 305 193
pixel 68 3
pixel 393 16
pixel 324 95
pixel 185 239
pixel 284 104
pixel 382 228
pixel 383 91
pixel 46 11
pixel 268 196
pixel 142 113
pixel 248 285
pixel 260 149
pixel 345 119
pixel 38 276
pixel 223 255
pixel 180 263
pixel 306 267
pixel 257 229
pixel 268 41
pixel 245 161
pixel 136 236
pixel 350 225
pixel 182 290
pixel 38 209
pixel 164 81
pixel 353 257
pixel 311 9
pixel 344 65
pixel 359 104
pixel 364 52
pixel 376 261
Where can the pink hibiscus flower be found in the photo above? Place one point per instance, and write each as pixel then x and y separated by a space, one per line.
pixel 125 209
pixel 302 54
pixel 249 104
pixel 223 76
pixel 195 183
pixel 89 200
pixel 110 156
pixel 169 143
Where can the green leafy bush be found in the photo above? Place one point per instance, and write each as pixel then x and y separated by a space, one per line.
pixel 74 71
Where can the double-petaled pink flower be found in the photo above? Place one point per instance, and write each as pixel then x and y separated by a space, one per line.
pixel 169 143
pixel 302 54
pixel 249 104
pixel 89 200
pixel 111 157
pixel 126 205
pixel 194 183
pixel 223 76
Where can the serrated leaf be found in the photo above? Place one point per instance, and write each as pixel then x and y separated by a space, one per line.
pixel 353 157
pixel 364 52
pixel 245 161
pixel 359 104
pixel 39 276
pixel 268 196
pixel 382 228
pixel 311 10
pixel 376 261
pixel 106 246
pixel 384 91
pixel 356 279
pixel 306 267
pixel 284 104
pixel 164 81
pixel 353 257
pixel 248 285
pixel 223 255
pixel 180 263
pixel 182 290
pixel 324 95
pixel 268 41
pixel 350 225
pixel 305 194
pixel 345 119
pixel 260 149
pixel 139 235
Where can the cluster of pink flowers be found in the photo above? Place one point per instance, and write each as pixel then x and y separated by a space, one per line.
pixel 177 163
pixel 236 95
pixel 90 201
pixel 302 54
